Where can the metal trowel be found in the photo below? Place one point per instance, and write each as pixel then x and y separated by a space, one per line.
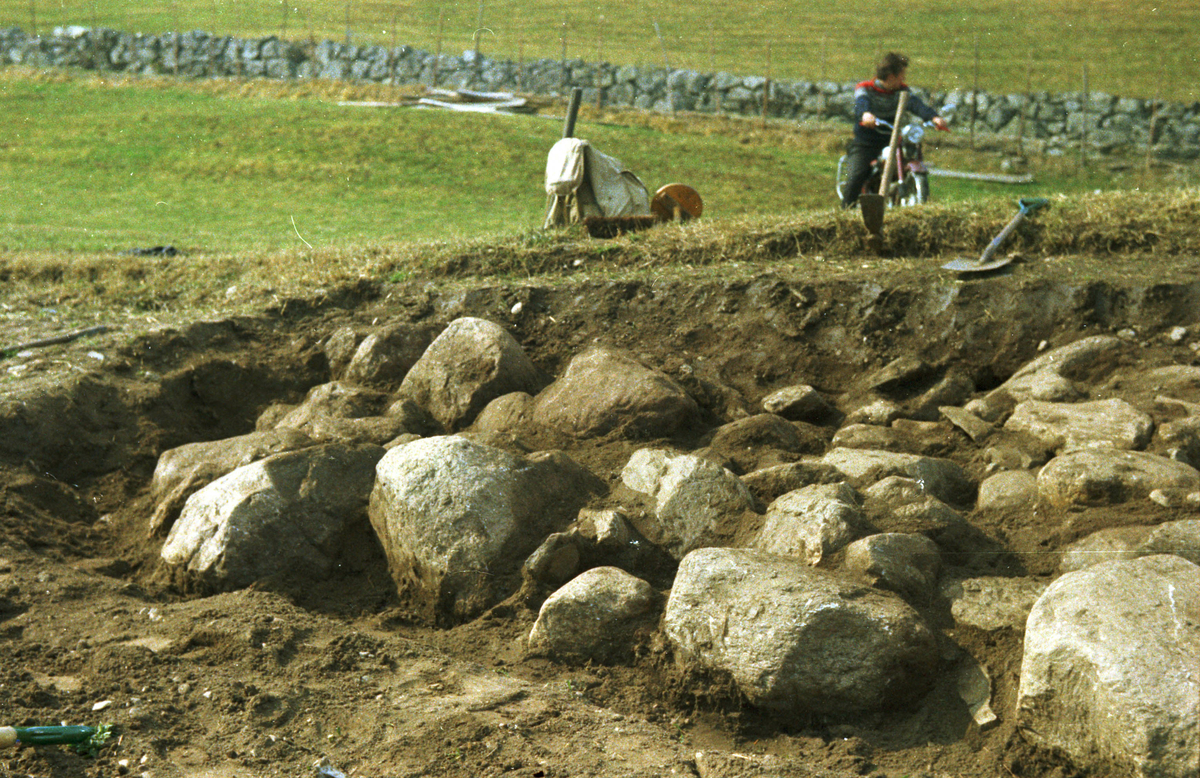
pixel 987 260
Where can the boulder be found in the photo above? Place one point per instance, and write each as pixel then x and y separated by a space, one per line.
pixel 184 470
pixel 769 483
pixel 991 603
pixel 901 562
pixel 812 523
pixel 796 639
pixel 290 513
pixel 1054 376
pixel 507 413
pixel 599 616
pixel 800 403
pixel 337 400
pixel 1091 477
pixel 939 477
pixel 1109 675
pixel 762 439
pixel 603 390
pixel 691 496
pixel 383 358
pixel 1008 490
pixel 1181 538
pixel 1180 439
pixel 457 519
pixel 471 363
pixel 905 435
pixel 1063 427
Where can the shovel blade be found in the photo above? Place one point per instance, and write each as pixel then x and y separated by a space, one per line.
pixel 966 265
pixel 872 206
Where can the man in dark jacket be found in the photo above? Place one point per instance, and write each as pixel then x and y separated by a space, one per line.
pixel 873 100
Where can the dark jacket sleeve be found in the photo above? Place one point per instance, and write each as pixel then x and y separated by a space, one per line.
pixel 917 106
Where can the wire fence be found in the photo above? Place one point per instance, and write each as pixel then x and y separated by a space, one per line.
pixel 1128 47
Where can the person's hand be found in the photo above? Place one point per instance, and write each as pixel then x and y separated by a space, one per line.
pixel 941 124
pixel 868 119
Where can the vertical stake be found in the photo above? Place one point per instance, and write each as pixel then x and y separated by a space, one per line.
pixel 478 30
pixel 1025 104
pixel 33 18
pixel 1150 136
pixel 975 93
pixel 822 78
pixel 348 24
pixel 1083 120
pixel 766 101
pixel 599 60
pixel 437 57
pixel 662 46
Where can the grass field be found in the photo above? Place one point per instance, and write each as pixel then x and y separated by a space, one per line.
pixel 1134 48
pixel 109 164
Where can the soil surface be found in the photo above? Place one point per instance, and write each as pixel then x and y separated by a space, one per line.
pixel 334 675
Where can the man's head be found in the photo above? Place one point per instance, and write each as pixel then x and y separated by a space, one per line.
pixel 891 69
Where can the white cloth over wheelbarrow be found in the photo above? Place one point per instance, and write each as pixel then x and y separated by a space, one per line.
pixel 582 182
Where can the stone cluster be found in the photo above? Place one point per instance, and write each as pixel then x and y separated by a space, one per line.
pixel 1105 122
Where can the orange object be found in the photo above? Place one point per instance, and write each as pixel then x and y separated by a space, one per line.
pixel 676 201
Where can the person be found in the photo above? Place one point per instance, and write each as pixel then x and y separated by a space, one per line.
pixel 877 99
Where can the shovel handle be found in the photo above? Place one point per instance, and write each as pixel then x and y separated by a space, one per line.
pixel 891 157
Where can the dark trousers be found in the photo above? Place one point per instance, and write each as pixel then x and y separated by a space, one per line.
pixel 858 168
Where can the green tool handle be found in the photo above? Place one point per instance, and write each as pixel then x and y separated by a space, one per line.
pixel 45 736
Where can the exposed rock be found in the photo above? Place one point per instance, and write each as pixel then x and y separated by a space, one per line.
pixel 339 349
pixel 385 357
pixel 184 470
pixel 975 689
pixel 812 523
pixel 899 374
pixel 556 561
pixel 470 364
pixel 1107 477
pixel 1008 490
pixel 599 616
pixel 881 413
pixel 904 435
pixel 801 403
pixel 290 513
pixel 456 518
pixel 335 400
pixel 905 563
pixel 976 428
pixel 691 496
pixel 991 602
pixel 940 477
pixel 1109 671
pixel 1069 426
pixel 603 390
pixel 1180 439
pixel 762 439
pixel 507 413
pixel 769 483
pixel 794 638
pixel 1181 538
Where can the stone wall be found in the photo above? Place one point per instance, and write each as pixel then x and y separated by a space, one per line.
pixel 1055 121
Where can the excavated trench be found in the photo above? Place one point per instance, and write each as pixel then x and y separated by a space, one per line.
pixel 79 447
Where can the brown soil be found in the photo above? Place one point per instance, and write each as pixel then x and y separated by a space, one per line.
pixel 272 680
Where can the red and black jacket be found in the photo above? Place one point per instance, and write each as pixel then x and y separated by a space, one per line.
pixel 872 96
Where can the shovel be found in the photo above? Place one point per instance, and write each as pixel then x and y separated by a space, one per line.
pixel 987 260
pixel 872 205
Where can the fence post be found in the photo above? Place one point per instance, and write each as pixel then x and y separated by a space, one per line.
pixel 1083 120
pixel 766 101
pixel 975 93
pixel 1150 135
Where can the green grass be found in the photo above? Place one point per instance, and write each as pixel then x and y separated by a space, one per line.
pixel 1134 48
pixel 107 164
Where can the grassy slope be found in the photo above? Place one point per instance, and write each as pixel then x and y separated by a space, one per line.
pixel 110 164
pixel 1136 48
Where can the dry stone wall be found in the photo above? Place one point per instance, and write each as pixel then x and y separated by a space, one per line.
pixel 1105 122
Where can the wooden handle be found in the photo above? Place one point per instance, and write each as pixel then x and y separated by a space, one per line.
pixel 891 157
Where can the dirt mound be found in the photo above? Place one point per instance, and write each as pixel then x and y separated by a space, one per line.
pixel 279 681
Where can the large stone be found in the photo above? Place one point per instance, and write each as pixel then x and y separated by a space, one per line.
pixel 290 513
pixel 991 602
pixel 1109 675
pixel 184 470
pixel 902 562
pixel 470 364
pixel 603 390
pixel 812 523
pixel 456 519
pixel 800 403
pixel 764 438
pixel 597 616
pixel 769 483
pixel 1068 426
pixel 385 357
pixel 1181 538
pixel 939 477
pixel 691 496
pixel 796 639
pixel 1091 477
